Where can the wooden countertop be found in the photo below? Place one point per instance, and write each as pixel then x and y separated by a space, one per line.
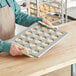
pixel 61 55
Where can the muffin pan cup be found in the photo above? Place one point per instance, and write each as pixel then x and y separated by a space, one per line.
pixel 40 43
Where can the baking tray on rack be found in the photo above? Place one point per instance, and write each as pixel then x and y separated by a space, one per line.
pixel 38 39
pixel 33 6
pixel 54 6
pixel 52 17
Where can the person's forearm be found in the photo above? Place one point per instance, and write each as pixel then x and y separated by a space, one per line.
pixel 5 46
pixel 26 20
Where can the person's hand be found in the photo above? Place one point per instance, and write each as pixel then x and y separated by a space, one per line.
pixel 48 23
pixel 16 50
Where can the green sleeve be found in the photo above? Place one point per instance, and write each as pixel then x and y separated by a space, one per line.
pixel 24 19
pixel 5 46
pixel 0 1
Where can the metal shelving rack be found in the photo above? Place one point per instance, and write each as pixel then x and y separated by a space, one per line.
pixel 62 10
pixel 37 3
pixel 24 4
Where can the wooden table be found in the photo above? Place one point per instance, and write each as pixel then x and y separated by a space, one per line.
pixel 61 55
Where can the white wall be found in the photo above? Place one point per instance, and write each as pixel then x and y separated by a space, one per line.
pixel 71 3
pixel 72 0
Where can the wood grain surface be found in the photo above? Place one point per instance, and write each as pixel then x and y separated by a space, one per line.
pixel 61 72
pixel 61 55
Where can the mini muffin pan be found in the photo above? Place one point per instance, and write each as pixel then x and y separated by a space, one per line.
pixel 38 39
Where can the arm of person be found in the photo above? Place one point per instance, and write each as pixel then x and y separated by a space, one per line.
pixel 24 19
pixel 11 48
pixel 5 46
pixel 0 0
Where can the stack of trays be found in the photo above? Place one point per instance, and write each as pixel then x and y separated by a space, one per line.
pixel 38 39
pixel 44 8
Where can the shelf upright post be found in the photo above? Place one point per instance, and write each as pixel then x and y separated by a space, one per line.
pixel 62 11
pixel 37 4
pixel 28 7
pixel 66 11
